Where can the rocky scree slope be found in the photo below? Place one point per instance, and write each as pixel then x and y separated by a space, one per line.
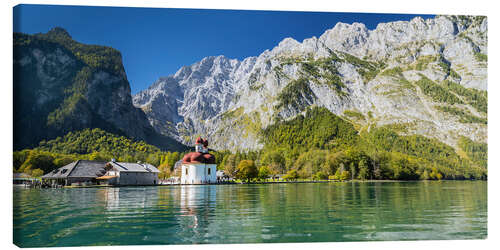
pixel 426 77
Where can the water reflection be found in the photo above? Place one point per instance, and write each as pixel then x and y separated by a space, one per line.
pixel 110 197
pixel 126 198
pixel 250 213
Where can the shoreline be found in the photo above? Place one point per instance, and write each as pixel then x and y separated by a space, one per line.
pixel 248 183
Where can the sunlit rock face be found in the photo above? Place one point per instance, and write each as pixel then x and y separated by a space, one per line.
pixel 348 68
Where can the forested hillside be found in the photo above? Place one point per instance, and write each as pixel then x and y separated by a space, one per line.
pixel 91 144
pixel 61 85
pixel 320 145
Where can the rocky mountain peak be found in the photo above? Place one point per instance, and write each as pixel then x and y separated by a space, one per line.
pixel 58 32
pixel 387 75
pixel 62 86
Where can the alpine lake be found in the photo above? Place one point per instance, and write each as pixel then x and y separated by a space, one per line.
pixel 257 213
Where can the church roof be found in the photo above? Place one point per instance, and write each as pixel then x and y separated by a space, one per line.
pixel 199 140
pixel 198 157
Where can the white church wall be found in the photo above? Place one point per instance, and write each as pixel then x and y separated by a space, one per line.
pixel 198 173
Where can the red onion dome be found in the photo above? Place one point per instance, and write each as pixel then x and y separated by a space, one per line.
pixel 209 158
pixel 186 158
pixel 198 157
pixel 199 140
pixel 193 157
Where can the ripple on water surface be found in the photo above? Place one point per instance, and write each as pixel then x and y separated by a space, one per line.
pixel 250 213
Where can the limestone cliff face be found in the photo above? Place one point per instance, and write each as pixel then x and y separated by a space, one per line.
pixel 425 77
pixel 61 85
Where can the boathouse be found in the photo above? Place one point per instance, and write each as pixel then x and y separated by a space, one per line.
pixel 81 172
pixel 199 167
pixel 22 178
pixel 126 173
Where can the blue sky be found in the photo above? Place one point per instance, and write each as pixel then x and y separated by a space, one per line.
pixel 157 42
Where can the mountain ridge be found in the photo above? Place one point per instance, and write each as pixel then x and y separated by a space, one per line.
pixel 61 85
pixel 347 69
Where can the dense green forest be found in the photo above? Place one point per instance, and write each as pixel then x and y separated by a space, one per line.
pixel 321 145
pixel 91 144
pixel 316 145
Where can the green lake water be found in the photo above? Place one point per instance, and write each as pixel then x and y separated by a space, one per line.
pixel 308 212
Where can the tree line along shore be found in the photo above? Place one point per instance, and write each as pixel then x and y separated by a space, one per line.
pixel 317 145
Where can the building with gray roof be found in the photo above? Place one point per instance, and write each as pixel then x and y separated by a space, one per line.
pixel 126 173
pixel 77 172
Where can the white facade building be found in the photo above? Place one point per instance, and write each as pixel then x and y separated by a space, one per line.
pixel 199 173
pixel 126 173
pixel 199 167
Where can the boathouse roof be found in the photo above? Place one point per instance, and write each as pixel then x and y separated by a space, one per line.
pixel 80 168
pixel 133 167
pixel 21 175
